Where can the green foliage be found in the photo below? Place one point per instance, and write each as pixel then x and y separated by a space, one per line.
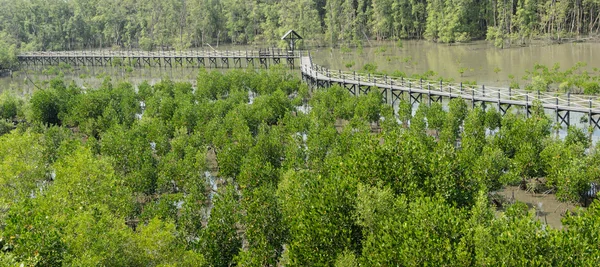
pixel 76 25
pixel 576 136
pixel 5 127
pixel 369 107
pixel 236 173
pixel 370 68
pixel 23 165
pixel 219 241
pixel 8 51
pixel 9 106
pixel 322 230
pixel 346 259
pixel 493 119
pixel 574 80
pixel 264 231
pixel 397 231
pixel 44 107
pixel 591 88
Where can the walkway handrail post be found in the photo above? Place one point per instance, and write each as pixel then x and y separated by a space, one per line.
pixel 509 93
pixel 421 82
pixel 441 85
pixel 483 89
pixel 527 104
pixel 429 94
pixel 569 98
pixel 590 113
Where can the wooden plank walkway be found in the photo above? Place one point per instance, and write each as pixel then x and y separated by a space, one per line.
pixel 170 54
pixel 214 58
pixel 393 89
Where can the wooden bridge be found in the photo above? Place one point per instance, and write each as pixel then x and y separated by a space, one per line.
pixel 208 59
pixel 394 89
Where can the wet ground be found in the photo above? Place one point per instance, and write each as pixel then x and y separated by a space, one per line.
pixel 548 209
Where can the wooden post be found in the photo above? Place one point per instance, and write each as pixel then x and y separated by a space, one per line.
pixel 428 94
pixel 499 103
pixel 410 93
pixel 556 110
pixel 473 98
pixel 527 104
pixel 590 113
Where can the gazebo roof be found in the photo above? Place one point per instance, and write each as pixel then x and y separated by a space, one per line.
pixel 291 35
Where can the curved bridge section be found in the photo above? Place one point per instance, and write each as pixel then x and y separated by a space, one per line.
pixel 207 59
pixel 395 89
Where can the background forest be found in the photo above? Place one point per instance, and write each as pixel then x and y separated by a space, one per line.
pixel 179 24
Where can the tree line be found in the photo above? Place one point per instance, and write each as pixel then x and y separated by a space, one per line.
pixel 180 24
pixel 252 169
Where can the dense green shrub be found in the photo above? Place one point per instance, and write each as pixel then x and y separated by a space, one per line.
pixel 234 173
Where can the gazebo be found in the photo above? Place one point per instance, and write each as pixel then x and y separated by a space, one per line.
pixel 291 36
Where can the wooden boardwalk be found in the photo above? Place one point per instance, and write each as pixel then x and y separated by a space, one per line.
pixel 207 59
pixel 394 89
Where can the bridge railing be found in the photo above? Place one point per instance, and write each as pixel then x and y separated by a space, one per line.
pixel 277 53
pixel 554 100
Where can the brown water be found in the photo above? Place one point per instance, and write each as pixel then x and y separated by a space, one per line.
pixel 480 61
pixel 26 80
pixel 547 208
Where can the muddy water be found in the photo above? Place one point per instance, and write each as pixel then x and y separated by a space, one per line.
pixel 28 79
pixel 480 61
pixel 547 208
